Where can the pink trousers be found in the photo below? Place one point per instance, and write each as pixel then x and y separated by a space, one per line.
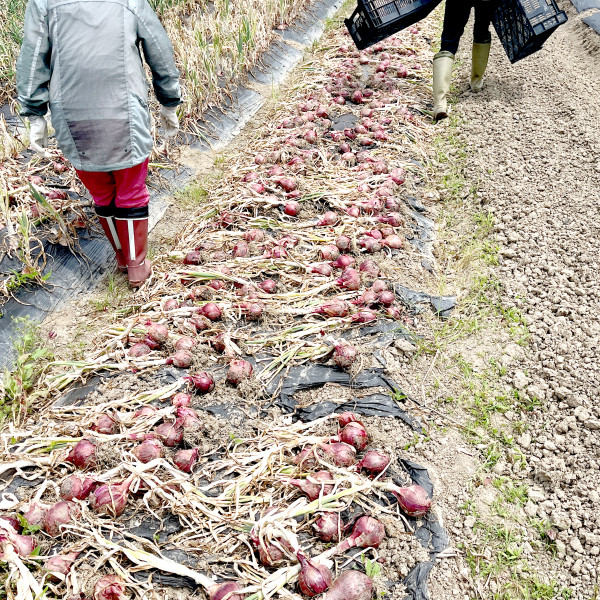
pixel 125 187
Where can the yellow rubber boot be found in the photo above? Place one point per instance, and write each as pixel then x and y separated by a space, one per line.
pixel 481 54
pixel 442 76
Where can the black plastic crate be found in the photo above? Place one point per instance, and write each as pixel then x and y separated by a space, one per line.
pixel 375 20
pixel 524 25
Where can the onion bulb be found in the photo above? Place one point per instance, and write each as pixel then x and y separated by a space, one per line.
pixel 76 487
pixel 351 585
pixel 58 515
pixel 110 587
pixel 148 450
pixel 413 500
pixel 110 498
pixel 327 526
pixel 83 454
pixel 314 578
pixel 355 434
pixel 238 371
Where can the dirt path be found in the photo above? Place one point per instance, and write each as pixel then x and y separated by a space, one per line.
pixel 532 139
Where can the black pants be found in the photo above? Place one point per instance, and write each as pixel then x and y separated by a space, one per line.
pixel 456 17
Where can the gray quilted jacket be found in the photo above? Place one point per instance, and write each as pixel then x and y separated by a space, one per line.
pixel 83 59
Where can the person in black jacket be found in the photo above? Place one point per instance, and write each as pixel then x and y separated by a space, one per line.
pixel 456 17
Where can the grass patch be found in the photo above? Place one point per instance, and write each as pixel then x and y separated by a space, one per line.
pixel 16 385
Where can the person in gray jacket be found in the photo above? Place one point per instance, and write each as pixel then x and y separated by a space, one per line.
pixel 83 60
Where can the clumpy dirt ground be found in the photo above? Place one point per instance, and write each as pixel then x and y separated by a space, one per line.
pixel 532 142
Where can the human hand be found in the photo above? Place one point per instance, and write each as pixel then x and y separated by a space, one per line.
pixel 38 135
pixel 169 121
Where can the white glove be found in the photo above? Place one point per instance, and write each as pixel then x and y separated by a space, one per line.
pixel 169 121
pixel 38 135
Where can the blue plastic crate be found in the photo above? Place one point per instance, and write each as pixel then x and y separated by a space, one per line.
pixel 375 20
pixel 524 25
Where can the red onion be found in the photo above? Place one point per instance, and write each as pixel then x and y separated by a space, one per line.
pixel 321 269
pixel 368 298
pixel 110 587
pixel 397 176
pixel 374 462
pixel 211 311
pixel 157 332
pixel 193 258
pixel 257 187
pixel 379 286
pixel 343 261
pixel 247 291
pixel 268 286
pixel 367 532
pixel 216 284
pixel 61 563
pixel 151 343
pixel 365 141
pixel 76 487
pixel 311 136
pixel 181 359
pixel 218 256
pixel 369 244
pixel 314 579
pixel 203 382
pixel 111 498
pixel 251 176
pixel 341 454
pixel 344 355
pixel 252 310
pixel 62 513
pixel 83 454
pixel 343 243
pixel 275 171
pixel 413 500
pixel 369 267
pixel 375 234
pixel 350 279
pixel 350 134
pixel 314 484
pixel 185 459
pixel 348 417
pixel 10 522
pixel 350 585
pixel 288 184
pixel 181 398
pixel 328 218
pixel 259 159
pixel 360 129
pixel 335 308
pixel 254 235
pixel 218 592
pixel 355 434
pixel 105 424
pixel 329 253
pixel 344 148
pixel 278 252
pixel 270 555
pixel 218 343
pixel 139 350
pixel 240 250
pixel 395 219
pixel 238 371
pixel 23 545
pixel 353 211
pixel 328 526
pixel 200 322
pixel 170 304
pixel 364 316
pixel 292 208
pixel 393 312
pixel 169 434
pixel 321 112
pixel 387 298
pixel 305 458
pixel 185 343
pixel 148 450
pixel 393 241
pixel 357 97
pixel 36 513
